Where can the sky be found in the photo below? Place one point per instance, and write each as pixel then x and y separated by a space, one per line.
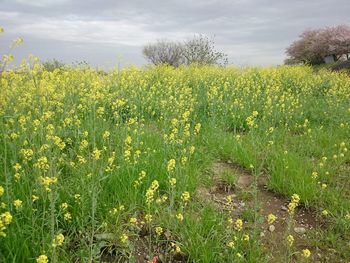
pixel 108 33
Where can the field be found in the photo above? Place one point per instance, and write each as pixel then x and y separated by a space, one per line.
pixel 195 164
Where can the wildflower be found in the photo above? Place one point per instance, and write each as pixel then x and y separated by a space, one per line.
pixel 271 218
pixel 172 181
pixel 246 237
pixel 17 167
pixel 5 219
pixel 106 135
pixel 171 165
pixel 77 198
pixel 192 149
pixel 42 259
pixel 150 191
pixel 180 217
pixel 290 240
pixel 67 216
pixel 58 240
pixel 13 135
pixel 239 224
pixel 148 218
pixel 42 163
pixel 47 181
pixel 347 216
pixel 325 212
pixel 100 111
pixel 295 198
pixel 231 244
pixel 229 199
pixel 1 190
pixel 17 203
pixel 96 154
pixel 197 128
pixel 185 196
pixel 133 220
pixel 58 142
pixel 124 238
pixel 294 203
pixel 159 230
pixel 64 206
pixel 314 175
pixel 83 144
pixel 27 154
pixel 81 159
pixel 175 247
pixel 34 198
pixel 306 253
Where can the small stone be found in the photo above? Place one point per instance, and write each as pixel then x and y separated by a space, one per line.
pixel 271 228
pixel 300 230
pixel 262 234
pixel 284 208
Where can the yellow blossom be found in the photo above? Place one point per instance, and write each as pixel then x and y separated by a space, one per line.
pixel 290 240
pixel 124 238
pixel 239 224
pixel 171 165
pixel 185 196
pixel 172 181
pixel 306 253
pixel 58 240
pixel 42 259
pixel 159 230
pixel 2 190
pixel 180 217
pixel 271 218
pixel 17 203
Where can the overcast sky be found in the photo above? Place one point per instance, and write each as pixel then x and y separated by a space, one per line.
pixel 251 32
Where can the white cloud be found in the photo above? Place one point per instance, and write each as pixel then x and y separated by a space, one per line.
pixel 95 31
pixel 41 3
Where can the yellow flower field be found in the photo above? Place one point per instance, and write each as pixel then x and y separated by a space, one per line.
pixel 108 167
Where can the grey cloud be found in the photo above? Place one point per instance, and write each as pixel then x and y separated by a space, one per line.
pixel 250 31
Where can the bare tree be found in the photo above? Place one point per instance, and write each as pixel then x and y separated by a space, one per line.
pixel 164 52
pixel 201 50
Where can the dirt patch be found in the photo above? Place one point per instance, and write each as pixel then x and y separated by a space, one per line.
pixel 162 252
pixel 273 238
